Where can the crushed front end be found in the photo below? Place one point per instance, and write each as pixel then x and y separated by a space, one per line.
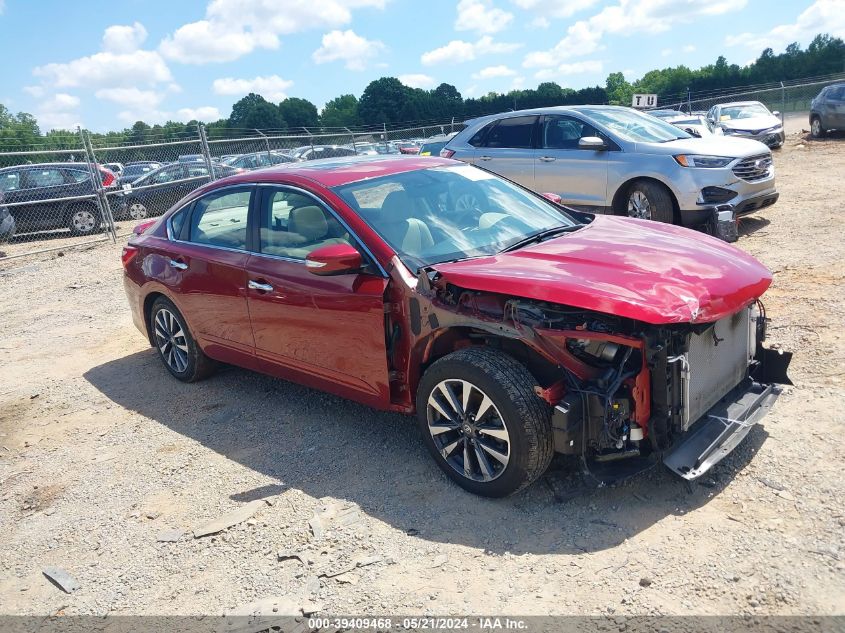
pixel 683 393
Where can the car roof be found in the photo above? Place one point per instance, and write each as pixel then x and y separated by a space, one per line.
pixel 332 172
pixel 739 103
pixel 67 165
pixel 547 110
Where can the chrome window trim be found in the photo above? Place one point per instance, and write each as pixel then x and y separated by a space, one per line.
pixel 169 227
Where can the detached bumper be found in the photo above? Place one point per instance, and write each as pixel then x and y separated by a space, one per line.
pixel 721 429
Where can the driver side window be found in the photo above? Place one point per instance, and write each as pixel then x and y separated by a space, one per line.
pixel 563 132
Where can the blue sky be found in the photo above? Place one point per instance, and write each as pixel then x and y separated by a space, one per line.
pixel 106 65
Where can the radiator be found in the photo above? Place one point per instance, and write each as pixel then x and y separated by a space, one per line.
pixel 717 361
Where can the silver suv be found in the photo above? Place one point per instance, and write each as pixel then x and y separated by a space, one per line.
pixel 827 110
pixel 617 160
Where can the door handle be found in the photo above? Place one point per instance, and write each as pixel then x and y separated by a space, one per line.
pixel 547 159
pixel 175 263
pixel 485 157
pixel 261 287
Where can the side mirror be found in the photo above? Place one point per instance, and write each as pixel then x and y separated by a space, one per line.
pixel 776 113
pixel 334 259
pixel 692 131
pixel 553 197
pixel 592 142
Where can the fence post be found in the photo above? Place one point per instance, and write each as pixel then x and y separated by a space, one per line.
pixel 384 135
pixel 782 102
pixel 452 128
pixel 352 136
pixel 97 184
pixel 206 152
pixel 266 142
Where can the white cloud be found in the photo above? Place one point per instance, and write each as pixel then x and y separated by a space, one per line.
pixel 481 16
pixel 823 16
pixel 418 80
pixel 124 39
pixel 628 17
pixel 574 68
pixel 59 112
pixel 35 91
pixel 470 91
pixel 553 9
pixel 689 48
pixel 458 51
pixel 234 28
pixel 106 69
pixel 203 113
pixel 666 52
pixel 517 83
pixel 271 87
pixel 2 6
pixel 494 71
pixel 130 97
pixel 349 47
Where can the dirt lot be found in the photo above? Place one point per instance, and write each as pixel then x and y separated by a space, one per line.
pixel 101 451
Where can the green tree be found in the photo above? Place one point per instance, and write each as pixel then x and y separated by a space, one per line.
pixel 341 111
pixel 254 112
pixel 383 101
pixel 299 112
pixel 619 91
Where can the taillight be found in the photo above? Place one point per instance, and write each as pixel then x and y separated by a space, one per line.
pixel 143 226
pixel 107 177
pixel 447 153
pixel 129 253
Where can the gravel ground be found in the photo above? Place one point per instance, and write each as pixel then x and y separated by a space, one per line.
pixel 102 454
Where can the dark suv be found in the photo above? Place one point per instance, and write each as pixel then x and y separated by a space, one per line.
pixel 827 111
pixel 59 195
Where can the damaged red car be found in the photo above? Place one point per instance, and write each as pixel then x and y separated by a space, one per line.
pixel 514 327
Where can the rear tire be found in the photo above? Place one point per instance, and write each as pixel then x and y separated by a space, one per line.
pixel 84 219
pixel 816 129
pixel 176 347
pixel 135 210
pixel 501 440
pixel 648 200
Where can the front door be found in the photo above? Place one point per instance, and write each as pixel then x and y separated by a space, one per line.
pixel 323 331
pixel 579 176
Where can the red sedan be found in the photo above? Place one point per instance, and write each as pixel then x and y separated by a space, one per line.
pixel 512 326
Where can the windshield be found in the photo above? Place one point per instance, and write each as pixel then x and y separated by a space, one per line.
pixel 442 214
pixel 748 111
pixel 636 127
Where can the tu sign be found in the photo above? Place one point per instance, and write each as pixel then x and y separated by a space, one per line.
pixel 644 101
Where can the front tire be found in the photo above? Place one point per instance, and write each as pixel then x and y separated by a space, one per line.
pixel 816 129
pixel 176 347
pixel 649 200
pixel 135 210
pixel 483 423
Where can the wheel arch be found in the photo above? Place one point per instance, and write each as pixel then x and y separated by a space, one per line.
pixel 617 204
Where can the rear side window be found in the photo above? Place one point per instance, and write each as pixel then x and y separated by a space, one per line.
pixel 77 175
pixel 220 219
pixel 516 132
pixel 45 178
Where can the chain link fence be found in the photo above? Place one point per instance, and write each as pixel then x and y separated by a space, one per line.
pixel 785 97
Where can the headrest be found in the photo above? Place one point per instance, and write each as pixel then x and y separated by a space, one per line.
pixel 309 222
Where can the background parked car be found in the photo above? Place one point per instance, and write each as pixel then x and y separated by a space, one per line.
pixel 667 115
pixel 48 186
pixel 7 224
pixel 133 171
pixel 321 151
pixel 610 158
pixel 827 110
pixel 433 145
pixel 115 168
pixel 692 124
pixel 747 119
pixel 157 191
pixel 256 160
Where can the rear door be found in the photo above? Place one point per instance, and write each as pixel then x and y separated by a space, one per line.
pixel 579 176
pixel 508 149
pixel 324 331
pixel 206 271
pixel 836 108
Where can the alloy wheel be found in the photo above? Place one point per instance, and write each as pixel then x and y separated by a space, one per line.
pixel 639 206
pixel 816 127
pixel 171 341
pixel 137 211
pixel 83 221
pixel 468 430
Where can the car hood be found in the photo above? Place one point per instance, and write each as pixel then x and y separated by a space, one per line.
pixel 754 123
pixel 709 145
pixel 635 269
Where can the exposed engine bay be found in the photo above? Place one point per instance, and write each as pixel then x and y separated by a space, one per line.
pixel 624 394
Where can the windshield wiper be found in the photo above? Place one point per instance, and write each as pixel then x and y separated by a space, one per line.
pixel 541 236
